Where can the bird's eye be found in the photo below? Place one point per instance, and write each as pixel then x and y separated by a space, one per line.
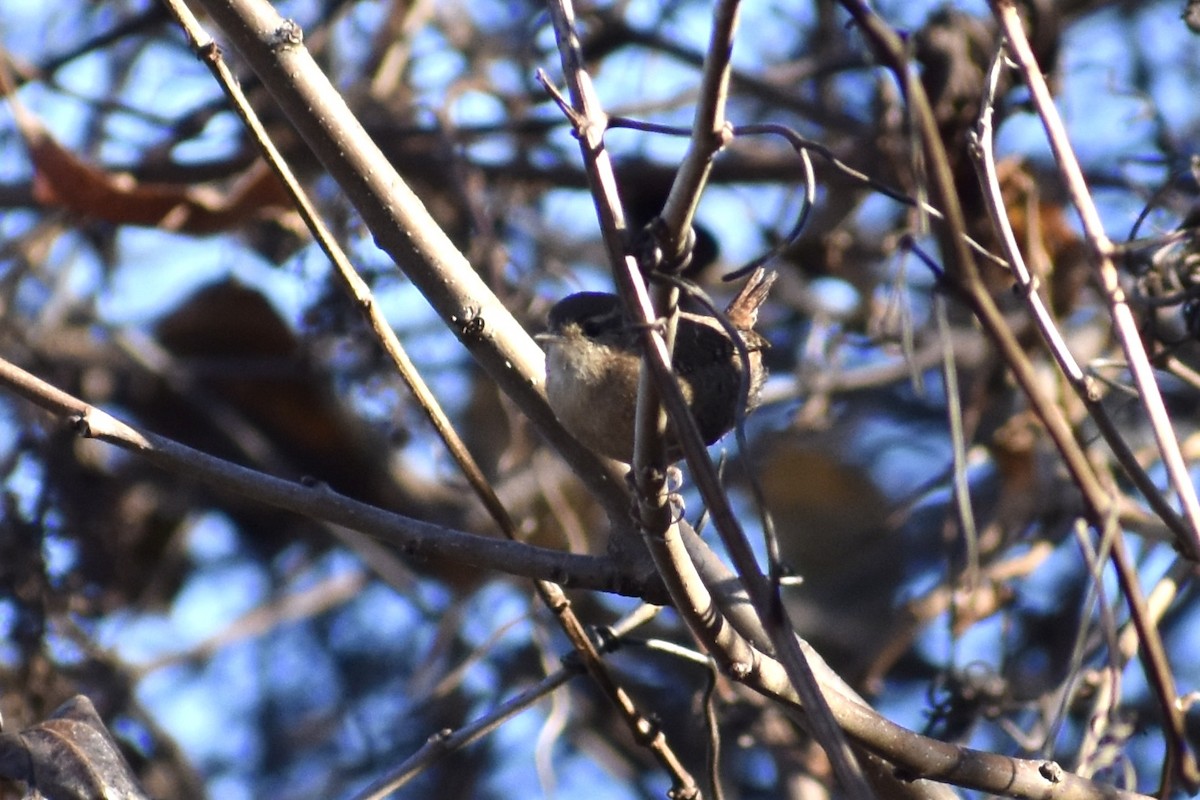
pixel 594 327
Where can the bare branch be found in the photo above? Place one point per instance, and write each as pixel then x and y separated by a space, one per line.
pixel 419 539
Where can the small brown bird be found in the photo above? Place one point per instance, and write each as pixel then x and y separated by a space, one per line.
pixel 593 360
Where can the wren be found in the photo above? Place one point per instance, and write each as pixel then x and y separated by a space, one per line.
pixel 593 361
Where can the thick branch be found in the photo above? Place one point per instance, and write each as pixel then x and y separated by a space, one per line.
pixel 403 227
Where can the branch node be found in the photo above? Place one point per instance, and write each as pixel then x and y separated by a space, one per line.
pixel 739 670
pixel 1051 771
pixel 79 423
pixel 287 36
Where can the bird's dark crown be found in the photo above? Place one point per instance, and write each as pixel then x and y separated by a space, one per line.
pixel 596 313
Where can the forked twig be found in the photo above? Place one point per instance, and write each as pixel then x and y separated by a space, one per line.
pixel 1102 251
pixel 1179 760
pixel 1081 382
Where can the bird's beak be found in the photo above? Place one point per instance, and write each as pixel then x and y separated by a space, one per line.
pixel 547 338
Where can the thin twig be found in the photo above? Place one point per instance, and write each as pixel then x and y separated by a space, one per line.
pixel 961 482
pixel 710 133
pixel 805 145
pixel 445 742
